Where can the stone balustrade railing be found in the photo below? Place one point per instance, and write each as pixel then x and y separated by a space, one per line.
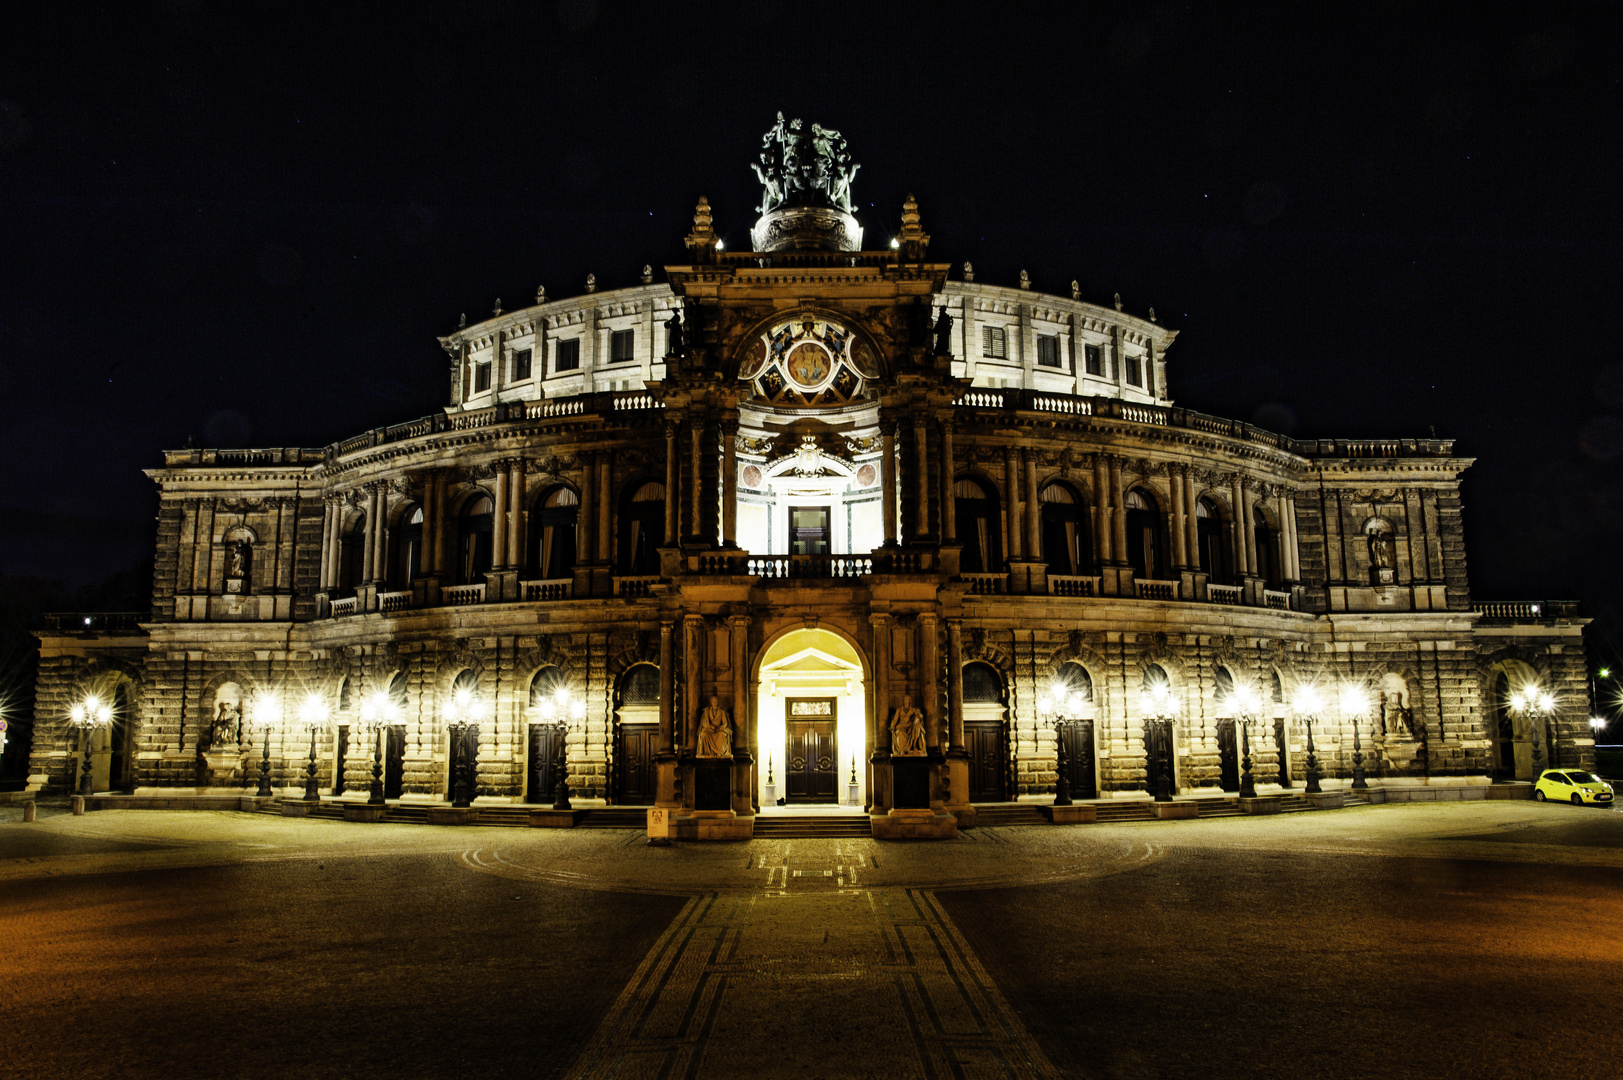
pixel 347 606
pixel 635 585
pixel 1073 585
pixel 394 601
pixel 1280 601
pixel 548 589
pixel 1149 589
pixel 1223 594
pixel 460 595
pixel 1525 610
pixel 95 622
pixel 986 584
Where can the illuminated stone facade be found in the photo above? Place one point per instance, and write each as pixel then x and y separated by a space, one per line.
pixel 783 481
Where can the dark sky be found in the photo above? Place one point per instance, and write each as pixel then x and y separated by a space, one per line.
pixel 246 224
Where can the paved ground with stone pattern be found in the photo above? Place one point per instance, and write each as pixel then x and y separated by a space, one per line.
pixel 1421 940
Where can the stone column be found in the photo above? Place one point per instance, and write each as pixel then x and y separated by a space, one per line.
pixel 330 539
pixel 1034 510
pixel 744 748
pixel 1248 521
pixel 887 481
pixel 605 504
pixel 1180 554
pixel 1191 522
pixel 667 686
pixel 380 563
pixel 1242 567
pixel 586 516
pixel 498 521
pixel 693 655
pixel 444 545
pixel 955 684
pixel 428 562
pixel 672 492
pixel 515 509
pixel 1011 514
pixel 879 797
pixel 921 449
pixel 1118 500
pixel 949 498
pixel 696 525
pixel 929 676
pixel 1287 518
pixel 369 549
pixel 729 481
pixel 1103 552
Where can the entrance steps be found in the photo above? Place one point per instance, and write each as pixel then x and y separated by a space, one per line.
pixel 1136 810
pixel 615 817
pixel 1003 814
pixel 1219 807
pixel 811 826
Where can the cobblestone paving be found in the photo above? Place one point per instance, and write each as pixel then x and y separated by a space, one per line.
pixel 1382 941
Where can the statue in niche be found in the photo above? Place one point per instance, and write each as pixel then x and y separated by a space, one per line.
pixel 1383 550
pixel 1396 718
pixel 907 730
pixel 225 731
pixel 238 562
pixel 715 731
pixel 673 335
pixel 943 333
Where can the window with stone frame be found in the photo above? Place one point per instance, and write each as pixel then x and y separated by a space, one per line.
pixel 521 364
pixel 1094 358
pixel 567 356
pixel 1048 351
pixel 994 342
pixel 1135 376
pixel 481 377
pixel 622 346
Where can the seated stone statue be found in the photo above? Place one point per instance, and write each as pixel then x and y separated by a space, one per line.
pixel 907 730
pixel 715 732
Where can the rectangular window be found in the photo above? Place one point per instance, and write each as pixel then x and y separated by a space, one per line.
pixel 481 378
pixel 1048 350
pixel 521 364
pixel 1133 375
pixel 994 343
pixel 1095 358
pixel 567 358
pixel 621 346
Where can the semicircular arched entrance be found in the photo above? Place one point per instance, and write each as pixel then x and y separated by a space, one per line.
pixel 813 734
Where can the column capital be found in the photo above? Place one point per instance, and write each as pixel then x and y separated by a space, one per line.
pixel 877 619
pixel 929 617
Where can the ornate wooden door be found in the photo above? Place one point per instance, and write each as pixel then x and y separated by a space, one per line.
pixel 542 773
pixel 987 763
pixel 1228 756
pixel 1079 770
pixel 1157 755
pixel 636 781
pixel 812 772
pixel 394 760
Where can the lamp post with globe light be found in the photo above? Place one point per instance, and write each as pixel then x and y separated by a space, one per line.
pixel 87 716
pixel 1535 706
pixel 462 711
pixel 1158 704
pixel 265 713
pixel 1355 706
pixel 377 712
pixel 567 708
pixel 1059 702
pixel 1307 704
pixel 313 716
pixel 1244 703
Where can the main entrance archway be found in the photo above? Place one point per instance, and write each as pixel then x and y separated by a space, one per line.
pixel 813 728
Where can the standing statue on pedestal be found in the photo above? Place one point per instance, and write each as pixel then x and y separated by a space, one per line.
pixel 943 333
pixel 907 730
pixel 715 731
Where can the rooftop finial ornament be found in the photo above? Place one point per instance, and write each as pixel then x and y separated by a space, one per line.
pixel 805 176
pixel 1076 289
pixel 969 271
pixel 591 283
pixel 1152 314
pixel 497 310
pixel 540 294
pixel 647 274
pixel 1025 280
pixel 1118 301
pixel 702 240
pixel 462 321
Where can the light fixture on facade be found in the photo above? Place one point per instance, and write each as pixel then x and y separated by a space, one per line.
pixel 88 715
pixel 312 715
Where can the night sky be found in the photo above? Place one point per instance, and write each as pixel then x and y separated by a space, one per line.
pixel 245 225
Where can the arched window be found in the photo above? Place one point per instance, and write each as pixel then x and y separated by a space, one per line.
pixel 978 521
pixel 466 682
pixel 1155 675
pixel 1222 688
pixel 352 556
pixel 642 529
pixel 408 549
pixel 982 683
pixel 639 685
pixel 1211 543
pixel 343 695
pixel 396 694
pixel 545 685
pixel 1073 681
pixel 1143 534
pixel 1279 689
pixel 552 533
pixel 1065 532
pixel 475 529
pixel 1267 551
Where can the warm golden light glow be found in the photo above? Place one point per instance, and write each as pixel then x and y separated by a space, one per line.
pixel 1308 700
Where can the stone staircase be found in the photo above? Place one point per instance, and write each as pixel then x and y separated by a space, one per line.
pixel 811 826
pixel 1136 810
pixel 615 817
pixel 997 815
pixel 1223 806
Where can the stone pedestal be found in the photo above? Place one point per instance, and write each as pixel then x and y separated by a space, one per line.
pixel 364 812
pixel 451 815
pixel 904 824
pixel 1259 806
pixel 1326 800
pixel 957 772
pixel 1080 814
pixel 225 766
pixel 715 825
pixel 1171 810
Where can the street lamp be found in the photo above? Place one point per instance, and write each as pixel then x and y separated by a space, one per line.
pixel 87 716
pixel 1159 704
pixel 462 711
pixel 565 707
pixel 264 713
pixel 312 715
pixel 1536 705
pixel 1056 702
pixel 376 713
pixel 1307 704
pixel 1354 706
pixel 1243 701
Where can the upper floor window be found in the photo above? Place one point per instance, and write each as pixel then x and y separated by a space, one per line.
pixel 1135 375
pixel 622 346
pixel 1094 357
pixel 567 358
pixel 994 343
pixel 1048 354
pixel 481 378
pixel 521 364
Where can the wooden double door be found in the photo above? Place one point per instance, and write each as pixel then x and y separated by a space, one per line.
pixel 636 780
pixel 988 765
pixel 812 762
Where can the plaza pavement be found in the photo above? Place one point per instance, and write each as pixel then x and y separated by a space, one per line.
pixel 1427 939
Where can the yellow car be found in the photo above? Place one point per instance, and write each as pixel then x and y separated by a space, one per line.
pixel 1572 785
